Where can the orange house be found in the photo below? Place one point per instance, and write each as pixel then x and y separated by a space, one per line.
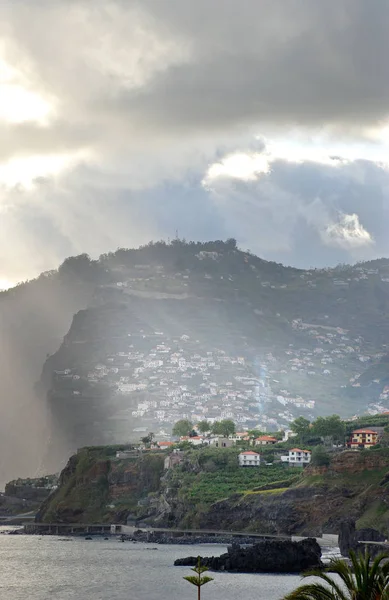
pixel 363 438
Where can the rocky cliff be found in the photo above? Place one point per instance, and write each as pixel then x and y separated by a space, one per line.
pixel 97 487
pixel 356 485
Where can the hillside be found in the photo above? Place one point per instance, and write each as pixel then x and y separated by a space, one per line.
pixel 208 331
pixel 208 490
pixel 197 329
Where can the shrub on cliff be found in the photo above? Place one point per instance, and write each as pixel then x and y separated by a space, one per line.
pixel 320 457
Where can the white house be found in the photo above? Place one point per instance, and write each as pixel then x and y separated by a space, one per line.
pixel 238 437
pixel 288 434
pixel 297 457
pixel 195 440
pixel 249 459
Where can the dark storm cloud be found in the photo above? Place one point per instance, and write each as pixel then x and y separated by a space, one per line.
pixel 144 96
pixel 301 62
pixel 169 67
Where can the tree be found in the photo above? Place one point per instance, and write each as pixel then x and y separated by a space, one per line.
pixel 199 580
pixel 330 429
pixel 320 457
pixel 224 428
pixel 364 579
pixel 301 426
pixel 204 426
pixel 147 439
pixel 182 428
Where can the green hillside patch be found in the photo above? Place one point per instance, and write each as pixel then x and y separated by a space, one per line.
pixel 270 492
pixel 376 516
pixel 211 487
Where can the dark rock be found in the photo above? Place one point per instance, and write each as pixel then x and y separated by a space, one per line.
pixel 189 561
pixel 347 537
pixel 268 556
pixel 370 535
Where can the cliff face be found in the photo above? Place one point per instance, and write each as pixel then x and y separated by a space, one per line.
pixel 356 486
pixel 96 487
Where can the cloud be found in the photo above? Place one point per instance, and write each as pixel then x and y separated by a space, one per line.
pixel 162 69
pixel 347 233
pixel 297 213
pixel 308 213
pixel 124 121
pixel 240 165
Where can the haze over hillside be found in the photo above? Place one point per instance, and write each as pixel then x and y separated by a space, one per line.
pixel 202 330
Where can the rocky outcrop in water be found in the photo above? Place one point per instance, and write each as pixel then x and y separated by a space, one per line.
pixel 268 556
pixel 350 538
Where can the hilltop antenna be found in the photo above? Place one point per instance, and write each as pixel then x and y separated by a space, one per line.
pixel 177 234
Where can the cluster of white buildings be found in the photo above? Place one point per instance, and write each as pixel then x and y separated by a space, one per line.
pixel 162 379
pixel 295 458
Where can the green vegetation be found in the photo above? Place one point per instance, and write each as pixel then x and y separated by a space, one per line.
pixel 331 429
pixel 375 516
pixel 182 428
pixel 301 426
pixel 365 579
pixel 199 579
pixel 90 483
pixel 320 457
pixel 204 426
pixel 269 492
pixel 225 427
pixel 210 475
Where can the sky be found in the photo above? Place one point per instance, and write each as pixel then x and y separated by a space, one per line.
pixel 123 121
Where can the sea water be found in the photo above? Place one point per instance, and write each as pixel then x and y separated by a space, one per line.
pixel 54 568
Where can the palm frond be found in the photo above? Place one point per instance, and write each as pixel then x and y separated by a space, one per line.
pixel 366 578
pixel 312 591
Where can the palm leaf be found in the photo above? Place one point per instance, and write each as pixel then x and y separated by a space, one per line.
pixel 364 579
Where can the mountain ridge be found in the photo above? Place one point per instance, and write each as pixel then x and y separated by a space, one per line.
pixel 229 300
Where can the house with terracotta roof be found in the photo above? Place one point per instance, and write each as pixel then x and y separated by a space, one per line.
pixel 297 457
pixel 265 440
pixel 249 459
pixel 165 445
pixel 363 438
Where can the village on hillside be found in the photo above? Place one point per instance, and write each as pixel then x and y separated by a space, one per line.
pixel 305 443
pixel 166 379
pixel 159 376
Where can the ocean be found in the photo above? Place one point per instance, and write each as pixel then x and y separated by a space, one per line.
pixel 53 568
